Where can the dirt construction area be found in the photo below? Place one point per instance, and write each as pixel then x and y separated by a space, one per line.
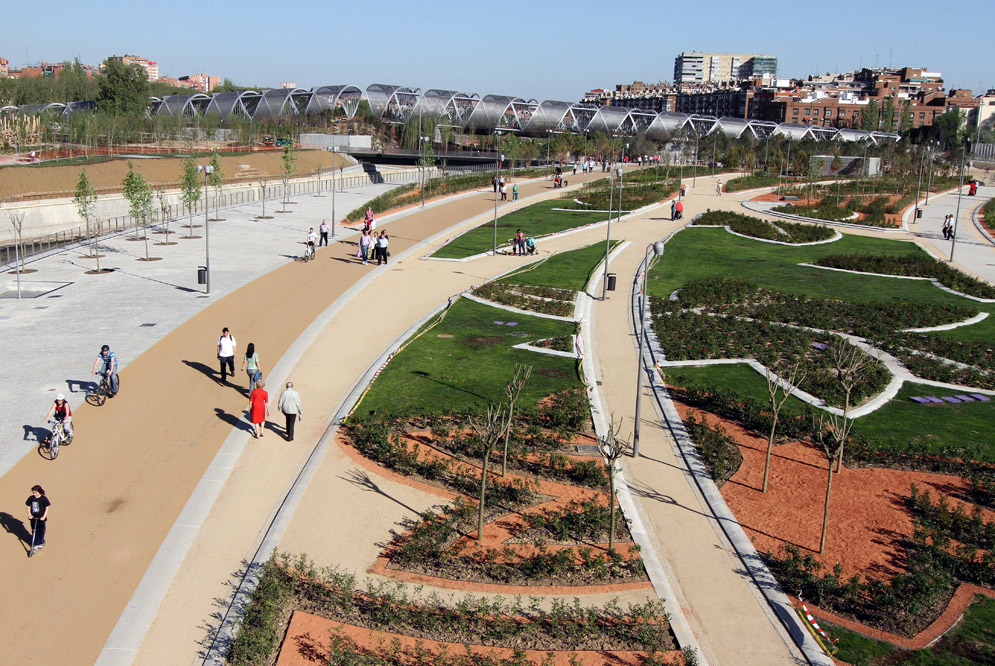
pixel 54 179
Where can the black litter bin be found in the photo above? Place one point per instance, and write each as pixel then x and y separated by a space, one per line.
pixel 202 275
pixel 918 213
pixel 611 282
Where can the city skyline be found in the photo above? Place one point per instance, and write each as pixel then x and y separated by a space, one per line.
pixel 545 54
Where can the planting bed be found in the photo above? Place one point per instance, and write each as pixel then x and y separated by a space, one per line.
pixel 785 232
pixel 294 584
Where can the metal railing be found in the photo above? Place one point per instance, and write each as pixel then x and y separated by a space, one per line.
pixel 112 225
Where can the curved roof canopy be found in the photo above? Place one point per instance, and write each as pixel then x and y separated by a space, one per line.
pixel 502 113
pixel 393 104
pixel 450 107
pixel 329 98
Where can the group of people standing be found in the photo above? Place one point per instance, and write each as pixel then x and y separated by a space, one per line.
pixel 378 245
pixel 500 187
pixel 258 408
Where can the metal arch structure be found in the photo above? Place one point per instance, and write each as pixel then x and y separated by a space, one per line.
pixel 392 104
pixel 282 101
pixel 502 113
pixel 793 131
pixel 329 98
pixel 226 105
pixel 609 120
pixel 701 124
pixel 666 125
pixel 56 108
pixel 451 107
pixel 183 105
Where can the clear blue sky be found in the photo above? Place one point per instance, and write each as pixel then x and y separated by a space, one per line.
pixel 545 50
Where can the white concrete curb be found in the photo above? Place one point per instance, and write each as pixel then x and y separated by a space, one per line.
pixel 936 283
pixel 766 209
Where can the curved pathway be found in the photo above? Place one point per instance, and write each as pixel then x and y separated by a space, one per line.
pixel 118 492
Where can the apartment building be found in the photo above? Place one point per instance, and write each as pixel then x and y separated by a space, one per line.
pixel 150 66
pixel 701 67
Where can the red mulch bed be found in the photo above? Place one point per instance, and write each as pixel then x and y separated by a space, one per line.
pixel 868 519
pixel 308 641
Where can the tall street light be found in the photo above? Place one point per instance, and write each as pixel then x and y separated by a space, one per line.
pixel 497 175
pixel 206 170
pixel 648 262
pixel 929 180
pixel 608 234
pixel 334 150
pixel 960 193
pixel 694 178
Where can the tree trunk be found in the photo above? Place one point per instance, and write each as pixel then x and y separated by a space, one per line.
pixel 507 434
pixel 770 445
pixel 146 228
pixel 611 501
pixel 483 495
pixel 825 515
pixel 190 211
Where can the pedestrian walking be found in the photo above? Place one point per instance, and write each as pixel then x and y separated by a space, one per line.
pixel 290 405
pixel 718 188
pixel 504 193
pixel 324 233
pixel 382 252
pixel 258 408
pixel 365 243
pixel 494 183
pixel 250 363
pixel 38 505
pixel 514 192
pixel 226 354
pixel 369 217
pixel 673 210
pixel 575 168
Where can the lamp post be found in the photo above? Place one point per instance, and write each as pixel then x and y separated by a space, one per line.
pixel 680 185
pixel 421 160
pixel 715 138
pixel 922 164
pixel 694 178
pixel 549 143
pixel 608 233
pixel 334 150
pixel 206 170
pixel 929 180
pixel 960 194
pixel 497 175
pixel 766 148
pixel 648 262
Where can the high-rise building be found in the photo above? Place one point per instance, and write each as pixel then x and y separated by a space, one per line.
pixel 700 67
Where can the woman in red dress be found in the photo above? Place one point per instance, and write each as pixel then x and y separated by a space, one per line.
pixel 258 408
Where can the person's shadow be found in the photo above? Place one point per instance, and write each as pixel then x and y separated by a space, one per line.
pixel 34 433
pixel 233 420
pixel 15 526
pixel 81 385
pixel 205 370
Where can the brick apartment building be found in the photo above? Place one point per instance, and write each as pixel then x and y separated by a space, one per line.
pixel 637 95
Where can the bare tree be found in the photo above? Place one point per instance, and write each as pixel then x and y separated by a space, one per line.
pixel 17 221
pixel 166 211
pixel 513 389
pixel 831 434
pixel 851 365
pixel 262 188
pixel 613 449
pixel 490 429
pixel 779 391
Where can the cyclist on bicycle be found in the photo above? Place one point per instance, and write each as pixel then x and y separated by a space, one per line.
pixel 107 362
pixel 62 413
pixel 312 238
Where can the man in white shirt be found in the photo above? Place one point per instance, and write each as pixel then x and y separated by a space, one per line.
pixel 324 233
pixel 290 405
pixel 226 354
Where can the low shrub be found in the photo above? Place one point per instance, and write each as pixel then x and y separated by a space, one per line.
pixel 719 453
pixel 786 232
pixel 824 211
pixel 754 181
pixel 545 300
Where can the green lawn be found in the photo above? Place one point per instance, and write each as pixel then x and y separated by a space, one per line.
pixel 900 421
pixel 970 642
pixel 964 425
pixel 535 220
pixel 739 379
pixel 566 270
pixel 703 252
pixel 437 373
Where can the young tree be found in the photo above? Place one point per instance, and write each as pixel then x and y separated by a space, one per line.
pixel 613 449
pixel 513 389
pixel 190 189
pixel 139 195
pixel 779 391
pixel 870 116
pixel 851 367
pixel 17 221
pixel 490 429
pixel 889 114
pixel 86 201
pixel 288 162
pixel 830 434
pixel 262 187
pixel 216 179
pixel 166 210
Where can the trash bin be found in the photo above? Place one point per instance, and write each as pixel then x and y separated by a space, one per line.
pixel 202 275
pixel 611 282
pixel 918 213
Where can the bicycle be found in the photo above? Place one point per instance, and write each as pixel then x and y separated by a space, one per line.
pixel 50 447
pixel 308 253
pixel 103 391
